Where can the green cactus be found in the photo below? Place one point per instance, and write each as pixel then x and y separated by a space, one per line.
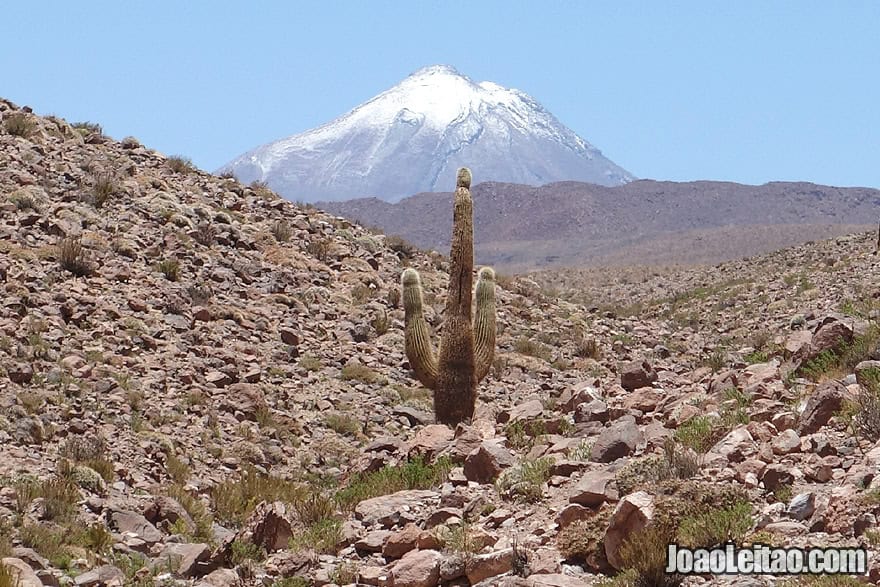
pixel 467 346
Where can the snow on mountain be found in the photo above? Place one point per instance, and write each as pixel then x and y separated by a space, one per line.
pixel 413 137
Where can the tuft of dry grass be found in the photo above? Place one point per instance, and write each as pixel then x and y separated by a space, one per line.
pixel 179 164
pixel 281 231
pixel 105 188
pixel 319 249
pixel 73 257
pixel 170 268
pixel 19 124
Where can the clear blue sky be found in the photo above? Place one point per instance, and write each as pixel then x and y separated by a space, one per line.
pixel 747 91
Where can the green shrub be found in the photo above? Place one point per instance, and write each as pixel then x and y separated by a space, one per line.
pixel 525 481
pixel 322 536
pixel 343 423
pixel 404 249
pixel 359 372
pixel 525 346
pixel 644 554
pixel 698 433
pixel 714 527
pixel 170 268
pixel 246 551
pixel 87 128
pixel 414 474
pixel 235 499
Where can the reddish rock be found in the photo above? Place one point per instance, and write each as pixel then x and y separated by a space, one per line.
pixel 21 373
pixel 401 542
pixel 487 461
pixel 573 513
pixel 373 541
pixel 525 412
pixel 417 568
pixel 828 337
pixel 184 558
pixel 637 374
pixel 777 475
pixel 430 441
pixel 594 489
pixel 821 406
pixel 786 442
pixel 270 526
pixel 644 399
pixel 483 566
pixel 388 509
pixel 632 514
pixel 735 446
pixel 22 574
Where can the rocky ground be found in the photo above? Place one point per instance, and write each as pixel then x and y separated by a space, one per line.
pixel 204 384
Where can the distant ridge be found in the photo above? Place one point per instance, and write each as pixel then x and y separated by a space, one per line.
pixel 574 223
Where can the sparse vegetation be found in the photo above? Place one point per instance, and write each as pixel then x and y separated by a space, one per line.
pixel 698 433
pixel 841 360
pixel 170 268
pixel 235 499
pixel 180 164
pixel 404 249
pixel 677 462
pixel 526 480
pixel 86 128
pixel 73 257
pixel 587 347
pixel 19 124
pixel 362 373
pixel 414 474
pixel 310 363
pixel 526 346
pixel 319 249
pixel 105 187
pixel 23 200
pixel 205 234
pixel 282 231
pixel 380 322
pixel 866 417
pixel 343 423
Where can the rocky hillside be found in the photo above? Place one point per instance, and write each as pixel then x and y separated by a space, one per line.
pixel 582 224
pixel 205 384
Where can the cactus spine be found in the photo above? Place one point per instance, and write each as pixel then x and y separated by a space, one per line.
pixel 467 346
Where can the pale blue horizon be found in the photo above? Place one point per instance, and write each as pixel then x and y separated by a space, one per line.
pixel 751 91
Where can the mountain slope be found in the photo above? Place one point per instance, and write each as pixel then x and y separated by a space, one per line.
pixel 218 395
pixel 573 223
pixel 412 138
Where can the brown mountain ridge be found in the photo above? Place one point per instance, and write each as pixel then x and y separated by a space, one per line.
pixel 522 227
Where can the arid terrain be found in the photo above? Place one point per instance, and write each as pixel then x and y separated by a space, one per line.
pixel 524 228
pixel 204 384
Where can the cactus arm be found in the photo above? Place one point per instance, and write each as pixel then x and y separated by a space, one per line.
pixel 417 337
pixel 484 323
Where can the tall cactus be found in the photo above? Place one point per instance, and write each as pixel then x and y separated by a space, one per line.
pixel 467 345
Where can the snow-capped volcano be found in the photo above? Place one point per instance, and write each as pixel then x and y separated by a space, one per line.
pixel 413 137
